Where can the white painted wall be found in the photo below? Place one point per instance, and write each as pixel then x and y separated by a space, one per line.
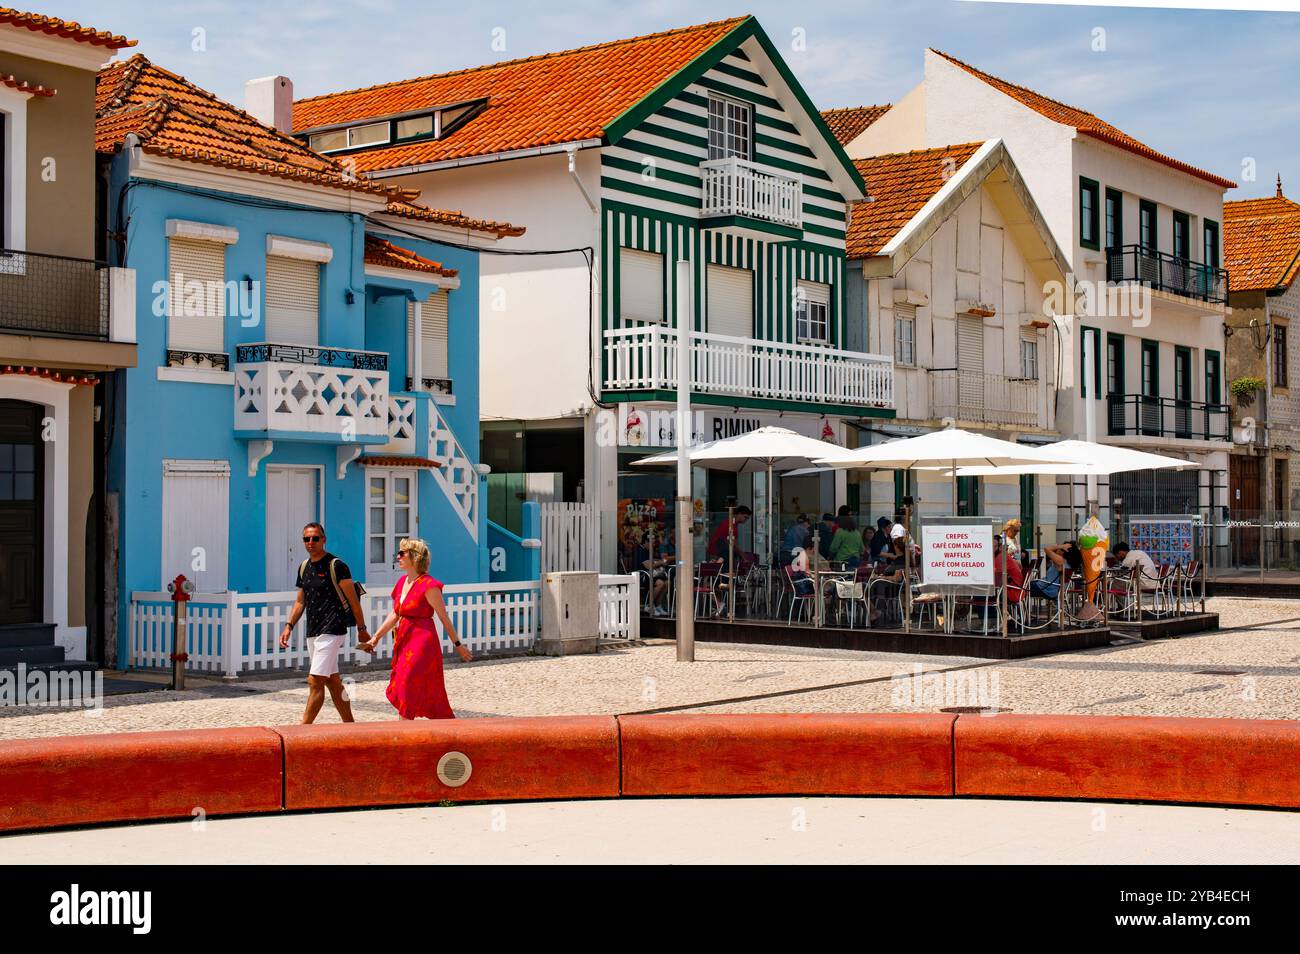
pixel 533 309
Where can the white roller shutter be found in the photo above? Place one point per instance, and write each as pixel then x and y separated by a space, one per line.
pixel 731 301
pixel 970 361
pixel 641 285
pixel 196 306
pixel 434 335
pixel 196 523
pixel 292 300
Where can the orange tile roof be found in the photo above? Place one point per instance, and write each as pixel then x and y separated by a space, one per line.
pixel 538 101
pixel 51 26
pixel 412 210
pixel 383 252
pixel 173 117
pixel 23 86
pixel 899 184
pixel 1261 243
pixel 847 124
pixel 1086 123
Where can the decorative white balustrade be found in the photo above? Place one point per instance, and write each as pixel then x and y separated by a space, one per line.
pixel 987 398
pixel 739 187
pixel 401 427
pixel 457 475
pixel 645 359
pixel 290 389
pixel 233 633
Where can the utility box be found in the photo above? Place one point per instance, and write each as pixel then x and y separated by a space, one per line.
pixel 570 614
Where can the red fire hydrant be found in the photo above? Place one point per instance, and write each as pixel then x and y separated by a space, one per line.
pixel 180 589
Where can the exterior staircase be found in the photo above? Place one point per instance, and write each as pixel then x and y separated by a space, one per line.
pixel 33 644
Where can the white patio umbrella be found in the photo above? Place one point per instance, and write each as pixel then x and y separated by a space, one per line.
pixel 952 447
pixel 765 449
pixel 1086 458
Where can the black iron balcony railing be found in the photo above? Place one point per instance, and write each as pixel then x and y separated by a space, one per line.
pixel 306 354
pixel 1167 417
pixel 432 385
pixel 52 295
pixel 1168 273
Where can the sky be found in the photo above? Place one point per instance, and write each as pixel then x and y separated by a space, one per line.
pixel 1216 89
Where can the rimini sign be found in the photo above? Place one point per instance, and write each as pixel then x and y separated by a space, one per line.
pixel 655 425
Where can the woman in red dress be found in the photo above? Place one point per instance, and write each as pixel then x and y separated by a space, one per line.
pixel 415 687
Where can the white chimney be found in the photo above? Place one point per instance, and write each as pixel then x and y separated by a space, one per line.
pixel 270 100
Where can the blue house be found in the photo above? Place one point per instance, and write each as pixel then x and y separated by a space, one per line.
pixel 308 350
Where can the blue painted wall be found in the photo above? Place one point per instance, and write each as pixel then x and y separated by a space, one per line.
pixel 155 420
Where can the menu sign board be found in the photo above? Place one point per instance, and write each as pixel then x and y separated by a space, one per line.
pixel 957 553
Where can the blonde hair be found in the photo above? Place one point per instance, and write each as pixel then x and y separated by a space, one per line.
pixel 419 553
pixel 1013 522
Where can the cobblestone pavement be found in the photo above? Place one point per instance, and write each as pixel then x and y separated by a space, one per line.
pixel 1260 644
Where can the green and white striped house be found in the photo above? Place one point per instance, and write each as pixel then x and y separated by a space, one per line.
pixel 622 159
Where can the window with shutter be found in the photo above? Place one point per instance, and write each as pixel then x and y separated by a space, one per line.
pixel 434 337
pixel 196 307
pixel 292 300
pixel 904 334
pixel 970 361
pixel 641 285
pixel 812 312
pixel 731 301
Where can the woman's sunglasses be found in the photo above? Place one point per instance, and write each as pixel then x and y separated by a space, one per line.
pixel 403 553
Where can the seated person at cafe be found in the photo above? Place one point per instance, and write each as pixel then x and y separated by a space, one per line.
pixel 880 539
pixel 656 562
pixel 797 536
pixel 719 544
pixel 1005 557
pixel 803 584
pixel 1058 557
pixel 846 544
pixel 825 534
pixel 1137 560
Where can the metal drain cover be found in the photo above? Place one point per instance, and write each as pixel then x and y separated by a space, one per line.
pixel 974 710
pixel 1219 672
pixel 454 769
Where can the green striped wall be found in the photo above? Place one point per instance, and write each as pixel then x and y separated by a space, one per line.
pixel 777 267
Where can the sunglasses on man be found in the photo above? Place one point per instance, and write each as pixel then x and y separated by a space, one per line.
pixel 312 539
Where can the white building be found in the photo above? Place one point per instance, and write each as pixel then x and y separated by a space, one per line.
pixel 948 263
pixel 696 144
pixel 1142 234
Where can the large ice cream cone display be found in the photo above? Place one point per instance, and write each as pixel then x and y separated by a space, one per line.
pixel 1094 543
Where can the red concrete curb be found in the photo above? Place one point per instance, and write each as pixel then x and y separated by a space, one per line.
pixel 1136 758
pixel 80 780
pixel 395 763
pixel 788 754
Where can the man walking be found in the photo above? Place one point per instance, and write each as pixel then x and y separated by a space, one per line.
pixel 327 593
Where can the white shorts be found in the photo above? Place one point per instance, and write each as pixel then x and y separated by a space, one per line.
pixel 325 651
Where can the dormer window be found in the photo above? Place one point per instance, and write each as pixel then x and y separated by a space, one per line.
pixel 431 125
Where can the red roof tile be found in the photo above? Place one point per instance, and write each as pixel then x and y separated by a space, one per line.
pixel 847 124
pixel 51 26
pixel 383 252
pixel 173 117
pixel 391 461
pixel 538 101
pixel 458 220
pixel 1261 243
pixel 900 184
pixel 23 86
pixel 1086 123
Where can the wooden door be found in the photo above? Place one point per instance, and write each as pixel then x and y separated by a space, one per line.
pixel 22 514
pixel 1244 504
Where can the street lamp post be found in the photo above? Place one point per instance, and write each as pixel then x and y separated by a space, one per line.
pixel 685 508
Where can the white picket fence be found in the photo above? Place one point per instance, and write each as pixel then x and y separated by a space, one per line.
pixel 568 537
pixel 489 617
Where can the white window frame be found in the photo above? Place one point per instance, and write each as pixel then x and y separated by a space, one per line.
pixel 388 134
pixel 811 298
pixel 386 571
pixel 217 240
pixel 728 110
pixel 1029 369
pixel 905 317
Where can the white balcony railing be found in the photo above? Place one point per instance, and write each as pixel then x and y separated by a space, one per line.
pixel 340 395
pixel 401 427
pixel 986 398
pixel 645 359
pixel 740 187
